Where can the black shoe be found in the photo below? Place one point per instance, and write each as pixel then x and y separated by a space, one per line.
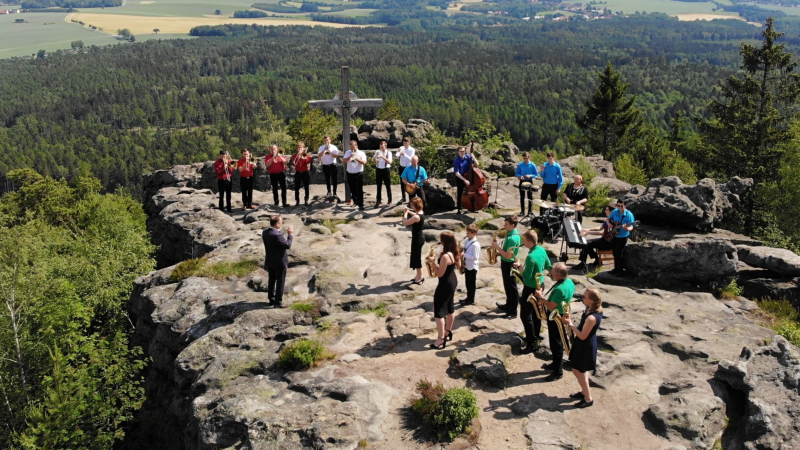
pixel 297 203
pixel 555 376
pixel 577 395
pixel 278 305
pixel 466 302
pixel 229 209
pixel 511 315
pixel 529 350
pixel 522 213
pixel 444 342
pixel 449 336
pixel 549 366
pixel 500 305
pixel 581 266
pixel 584 404
pixel 328 194
pixel 597 262
pixel 615 272
pixel 360 208
pixel 459 212
pixel 306 202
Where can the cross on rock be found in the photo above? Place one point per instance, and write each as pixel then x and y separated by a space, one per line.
pixel 346 103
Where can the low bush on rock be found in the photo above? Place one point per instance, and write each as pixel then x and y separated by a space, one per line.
pixel 302 355
pixel 598 199
pixel 450 411
pixel 199 267
pixel 731 291
pixel 785 318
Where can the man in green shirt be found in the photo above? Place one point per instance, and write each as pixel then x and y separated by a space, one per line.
pixel 536 263
pixel 560 294
pixel 508 254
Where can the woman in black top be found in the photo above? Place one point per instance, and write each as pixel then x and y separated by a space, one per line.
pixel 583 356
pixel 446 289
pixel 416 219
pixel 577 195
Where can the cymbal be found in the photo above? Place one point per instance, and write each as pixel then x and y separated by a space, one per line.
pixel 580 208
pixel 543 203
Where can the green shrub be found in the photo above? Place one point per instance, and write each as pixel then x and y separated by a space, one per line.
pixel 790 330
pixel 627 169
pixel 450 411
pixel 598 199
pixel 302 307
pixel 379 310
pixel 186 269
pixel 457 408
pixel 332 223
pixel 492 211
pixel 301 355
pixel 787 319
pixel 731 291
pixel 582 167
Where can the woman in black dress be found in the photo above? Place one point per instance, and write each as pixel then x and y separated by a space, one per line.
pixel 445 269
pixel 583 356
pixel 416 219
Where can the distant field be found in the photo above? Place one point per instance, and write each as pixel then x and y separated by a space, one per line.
pixel 691 17
pixel 177 8
pixel 23 39
pixel 353 12
pixel 178 25
pixel 663 6
pixel 792 11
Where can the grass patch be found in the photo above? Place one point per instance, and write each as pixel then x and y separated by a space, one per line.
pixel 379 310
pixel 495 214
pixel 302 354
pixel 363 443
pixel 731 291
pixel 450 411
pixel 199 267
pixel 485 225
pixel 783 318
pixel 331 223
pixel 593 273
pixel 311 309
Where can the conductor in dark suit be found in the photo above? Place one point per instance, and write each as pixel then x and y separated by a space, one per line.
pixel 276 260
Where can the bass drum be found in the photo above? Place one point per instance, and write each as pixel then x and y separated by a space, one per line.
pixel 546 225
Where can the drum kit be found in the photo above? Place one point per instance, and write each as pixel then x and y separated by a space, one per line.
pixel 551 217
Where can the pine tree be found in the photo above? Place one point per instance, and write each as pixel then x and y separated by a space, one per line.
pixel 610 119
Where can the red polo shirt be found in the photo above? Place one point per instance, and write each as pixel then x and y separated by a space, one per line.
pixel 277 167
pixel 223 170
pixel 245 167
pixel 301 164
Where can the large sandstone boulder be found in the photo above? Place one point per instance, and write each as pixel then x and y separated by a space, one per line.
pixel 698 259
pixel 371 133
pixel 700 206
pixel 616 188
pixel 439 196
pixel 768 379
pixel 778 260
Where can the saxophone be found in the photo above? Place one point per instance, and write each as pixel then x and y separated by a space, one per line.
pixel 564 333
pixel 491 252
pixel 538 308
pixel 516 272
pixel 428 264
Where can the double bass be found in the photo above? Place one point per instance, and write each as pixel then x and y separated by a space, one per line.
pixel 474 197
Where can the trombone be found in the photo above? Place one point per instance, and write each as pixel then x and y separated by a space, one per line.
pixel 566 334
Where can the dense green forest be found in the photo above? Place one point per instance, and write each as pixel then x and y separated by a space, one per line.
pixel 118 113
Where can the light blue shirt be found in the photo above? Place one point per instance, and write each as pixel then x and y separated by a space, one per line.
pixel 551 174
pixel 410 172
pixel 624 219
pixel 528 168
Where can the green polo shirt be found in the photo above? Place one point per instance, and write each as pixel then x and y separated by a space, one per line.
pixel 536 262
pixel 562 292
pixel 512 240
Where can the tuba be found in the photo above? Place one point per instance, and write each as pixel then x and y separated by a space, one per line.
pixel 428 265
pixel 564 333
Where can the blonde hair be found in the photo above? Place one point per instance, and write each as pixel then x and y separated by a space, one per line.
pixel 531 237
pixel 597 302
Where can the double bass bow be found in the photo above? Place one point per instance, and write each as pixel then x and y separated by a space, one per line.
pixel 474 197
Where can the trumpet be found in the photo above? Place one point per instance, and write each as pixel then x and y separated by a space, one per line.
pixel 429 264
pixel 566 334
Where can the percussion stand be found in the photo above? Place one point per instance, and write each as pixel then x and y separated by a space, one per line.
pixel 494 204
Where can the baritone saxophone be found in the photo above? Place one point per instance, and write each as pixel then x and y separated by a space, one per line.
pixel 564 333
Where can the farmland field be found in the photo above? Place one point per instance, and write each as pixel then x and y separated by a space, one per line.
pixel 43 31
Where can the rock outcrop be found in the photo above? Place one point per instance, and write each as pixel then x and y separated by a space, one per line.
pixel 700 206
pixel 697 259
pixel 371 133
pixel 603 168
pixel 778 260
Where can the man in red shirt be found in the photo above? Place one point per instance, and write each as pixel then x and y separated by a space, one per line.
pixel 276 167
pixel 223 167
pixel 246 167
pixel 301 162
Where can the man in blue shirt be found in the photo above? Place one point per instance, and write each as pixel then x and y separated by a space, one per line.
pixel 414 177
pixel 624 219
pixel 526 172
pixel 461 166
pixel 552 179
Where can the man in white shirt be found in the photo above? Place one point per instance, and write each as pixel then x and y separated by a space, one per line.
pixel 383 175
pixel 472 253
pixel 355 161
pixel 405 154
pixel 328 154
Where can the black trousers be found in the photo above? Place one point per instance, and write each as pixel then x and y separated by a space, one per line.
pixel 550 190
pixel 522 197
pixel 460 185
pixel 384 176
pixel 591 249
pixel 225 187
pixel 331 177
pixel 356 182
pixel 304 179
pixel 510 286
pixel 556 347
pixel 247 190
pixel 420 192
pixel 275 285
pixel 619 256
pixel 400 170
pixel 531 322
pixel 278 179
pixel 470 277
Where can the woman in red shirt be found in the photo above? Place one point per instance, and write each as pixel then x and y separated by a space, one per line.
pixel 276 167
pixel 246 165
pixel 301 162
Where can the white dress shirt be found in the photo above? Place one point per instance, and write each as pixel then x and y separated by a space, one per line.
pixel 354 166
pixel 472 253
pixel 330 158
pixel 405 155
pixel 381 164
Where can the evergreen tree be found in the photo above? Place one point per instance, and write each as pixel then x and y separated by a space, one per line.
pixel 610 119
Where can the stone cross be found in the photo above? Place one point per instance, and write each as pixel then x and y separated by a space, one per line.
pixel 346 103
